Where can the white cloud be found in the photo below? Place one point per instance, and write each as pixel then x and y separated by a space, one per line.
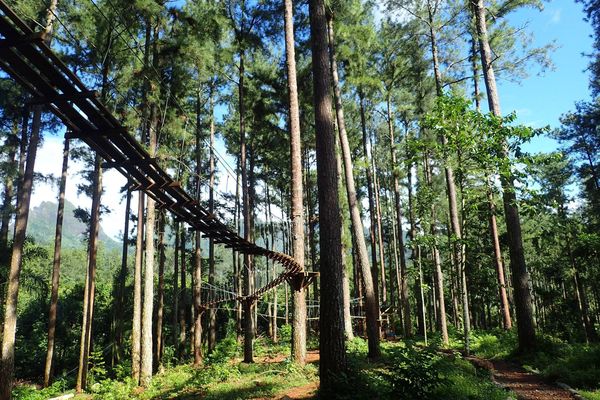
pixel 556 16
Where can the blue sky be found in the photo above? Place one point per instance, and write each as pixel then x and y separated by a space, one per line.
pixel 541 99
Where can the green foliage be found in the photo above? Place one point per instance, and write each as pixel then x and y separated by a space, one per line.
pixel 415 373
pixel 462 381
pixel 408 371
pixel 31 392
pixel 285 333
pixel 97 370
pixel 496 344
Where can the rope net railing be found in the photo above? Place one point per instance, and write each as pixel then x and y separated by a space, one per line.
pixel 26 57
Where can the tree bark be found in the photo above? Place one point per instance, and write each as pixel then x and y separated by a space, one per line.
pixel 212 313
pixel 197 289
pixel 136 327
pixel 404 300
pixel 438 274
pixel 297 211
pixel 148 277
pixel 371 301
pixel 174 316
pixel 416 249
pixel 248 303
pixel 198 358
pixel 372 209
pixel 346 283
pixel 505 307
pixel 119 297
pixel 331 323
pixel 160 341
pixel 12 142
pixel 520 274
pixel 14 273
pixel 56 266
pixel 90 279
pixel 182 298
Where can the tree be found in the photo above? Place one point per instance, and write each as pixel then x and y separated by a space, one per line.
pixel 520 274
pixel 371 301
pixel 581 139
pixel 23 200
pixel 56 265
pixel 331 323
pixel 297 209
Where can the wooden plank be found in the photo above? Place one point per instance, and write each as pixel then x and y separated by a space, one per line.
pixel 63 97
pixel 24 40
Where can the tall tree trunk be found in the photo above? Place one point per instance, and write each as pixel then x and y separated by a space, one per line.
pixel 520 274
pixel 378 212
pixel 12 142
pixel 56 265
pixel 371 301
pixel 252 216
pixel 160 341
pixel 416 249
pixel 297 211
pixel 238 262
pixel 372 210
pixel 197 342
pixel 198 358
pixel 343 226
pixel 136 327
pixel 174 316
pixel 182 298
pixel 148 299
pixel 505 307
pixel 331 323
pixel 90 279
pixel 450 188
pixel 248 323
pixel 136 331
pixel 148 277
pixel 438 274
pixel 119 298
pixel 404 300
pixel 270 240
pixel 212 314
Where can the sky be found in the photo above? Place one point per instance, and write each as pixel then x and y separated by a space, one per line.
pixel 538 100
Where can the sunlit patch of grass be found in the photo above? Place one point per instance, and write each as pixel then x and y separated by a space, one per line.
pixel 593 395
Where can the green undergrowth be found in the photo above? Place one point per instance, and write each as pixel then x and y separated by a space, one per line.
pixel 222 376
pixel 406 371
pixel 575 364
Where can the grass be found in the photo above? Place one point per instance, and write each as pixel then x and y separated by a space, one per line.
pixel 223 376
pixel 404 371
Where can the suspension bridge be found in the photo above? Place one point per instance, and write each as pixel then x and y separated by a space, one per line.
pixel 26 57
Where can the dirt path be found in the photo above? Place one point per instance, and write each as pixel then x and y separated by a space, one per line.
pixel 308 391
pixel 312 356
pixel 526 385
pixel 304 392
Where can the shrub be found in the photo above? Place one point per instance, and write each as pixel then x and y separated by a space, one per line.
pixel 415 373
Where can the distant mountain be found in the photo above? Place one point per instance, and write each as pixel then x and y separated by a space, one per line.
pixel 42 224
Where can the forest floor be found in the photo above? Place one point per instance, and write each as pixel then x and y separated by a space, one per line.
pixel 407 370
